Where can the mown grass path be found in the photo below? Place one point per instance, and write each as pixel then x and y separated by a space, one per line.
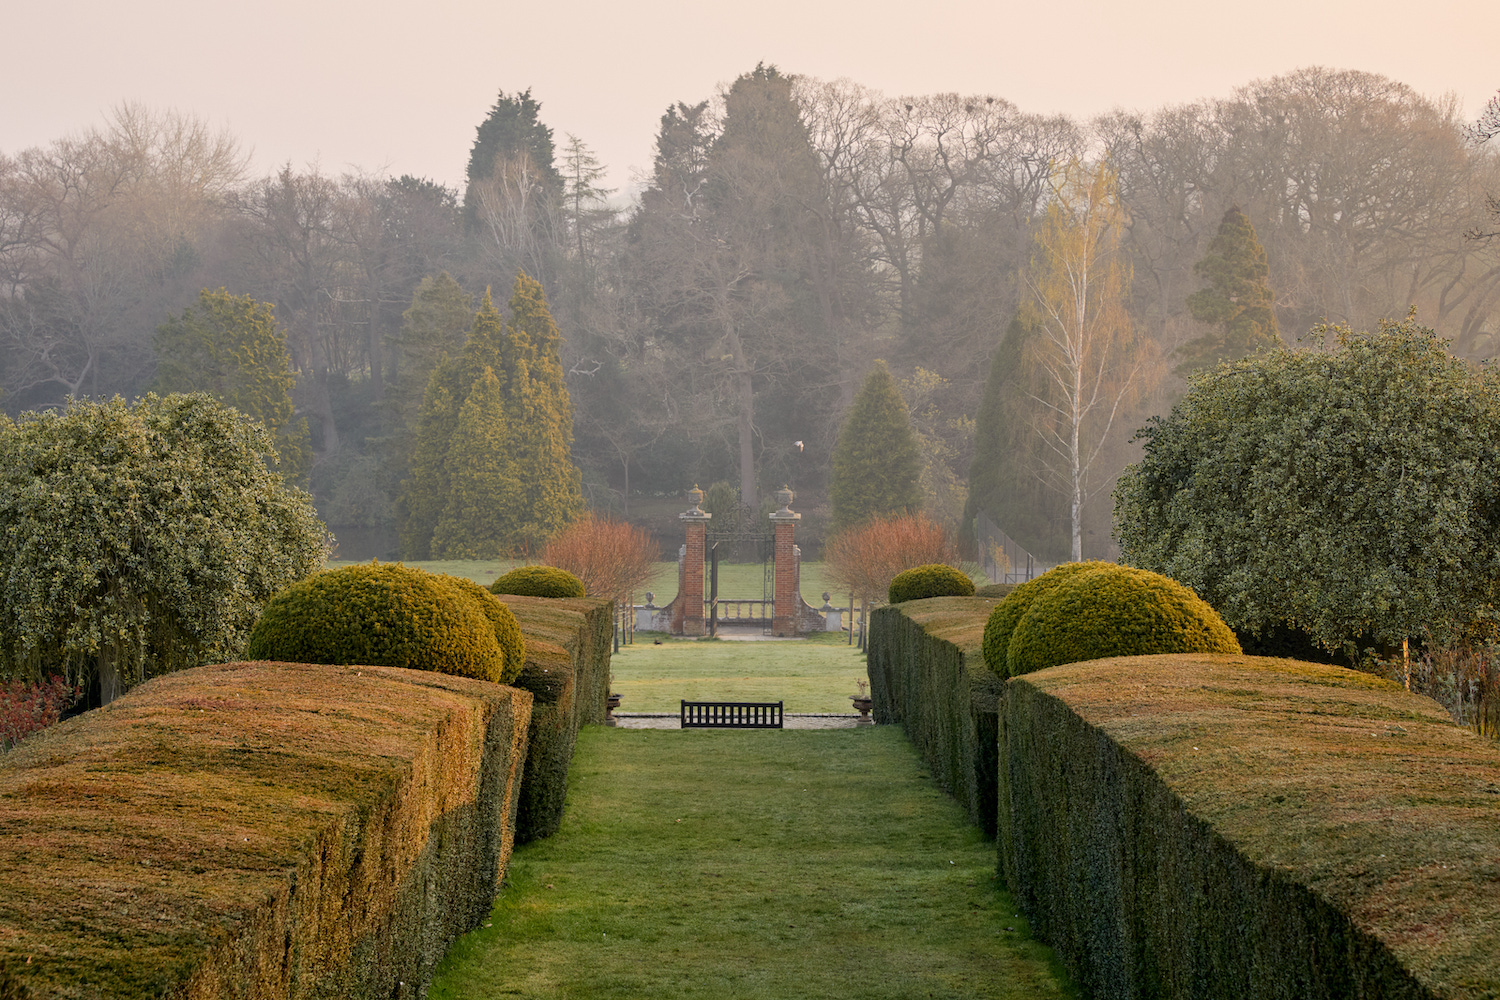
pixel 757 864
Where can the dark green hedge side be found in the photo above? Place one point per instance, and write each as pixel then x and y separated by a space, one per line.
pixel 568 648
pixel 257 830
pixel 1211 826
pixel 927 673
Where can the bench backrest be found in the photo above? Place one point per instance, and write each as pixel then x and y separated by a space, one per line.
pixel 731 715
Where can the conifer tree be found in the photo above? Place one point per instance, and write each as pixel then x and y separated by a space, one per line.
pixel 876 468
pixel 1007 478
pixel 426 490
pixel 530 488
pixel 230 347
pixel 483 487
pixel 541 419
pixel 1237 301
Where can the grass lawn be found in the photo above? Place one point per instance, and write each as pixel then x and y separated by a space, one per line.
pixel 765 864
pixel 817 674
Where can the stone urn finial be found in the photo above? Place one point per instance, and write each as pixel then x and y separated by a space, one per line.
pixel 785 496
pixel 696 511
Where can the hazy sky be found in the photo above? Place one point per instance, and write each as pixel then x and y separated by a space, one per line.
pixel 390 87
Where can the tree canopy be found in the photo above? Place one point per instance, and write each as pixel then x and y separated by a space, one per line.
pixel 1347 492
pixel 491 470
pixel 141 538
pixel 876 469
pixel 1237 302
pixel 230 347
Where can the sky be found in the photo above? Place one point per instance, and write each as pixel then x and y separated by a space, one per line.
pixel 384 87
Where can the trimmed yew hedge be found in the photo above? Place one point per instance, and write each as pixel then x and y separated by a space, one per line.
pixel 568 646
pixel 257 830
pixel 927 672
pixel 1198 825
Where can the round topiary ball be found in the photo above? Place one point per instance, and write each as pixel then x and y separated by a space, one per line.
pixel 932 580
pixel 507 629
pixel 1115 611
pixel 1002 621
pixel 538 581
pixel 383 614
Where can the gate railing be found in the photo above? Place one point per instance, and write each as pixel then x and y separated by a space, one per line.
pixel 728 610
pixel 1004 561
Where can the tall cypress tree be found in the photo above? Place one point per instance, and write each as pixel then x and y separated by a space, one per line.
pixel 1006 478
pixel 541 419
pixel 877 471
pixel 1237 302
pixel 512 128
pixel 483 485
pixel 457 500
pixel 426 490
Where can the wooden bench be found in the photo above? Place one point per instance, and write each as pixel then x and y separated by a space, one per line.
pixel 731 715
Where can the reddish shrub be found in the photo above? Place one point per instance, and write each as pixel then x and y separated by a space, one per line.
pixel 612 558
pixel 866 558
pixel 26 708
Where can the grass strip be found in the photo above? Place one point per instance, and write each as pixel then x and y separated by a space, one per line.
pixel 817 674
pixel 769 864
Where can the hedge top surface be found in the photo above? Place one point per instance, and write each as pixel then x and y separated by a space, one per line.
pixel 958 620
pixel 1003 620
pixel 538 581
pixel 1115 611
pixel 380 613
pixel 193 796
pixel 931 580
pixel 1347 783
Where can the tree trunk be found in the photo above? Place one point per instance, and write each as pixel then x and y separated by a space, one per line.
pixel 110 686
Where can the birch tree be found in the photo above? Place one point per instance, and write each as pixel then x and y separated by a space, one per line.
pixel 1085 349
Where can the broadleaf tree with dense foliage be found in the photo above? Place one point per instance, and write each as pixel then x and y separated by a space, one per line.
pixel 877 471
pixel 1346 493
pixel 138 539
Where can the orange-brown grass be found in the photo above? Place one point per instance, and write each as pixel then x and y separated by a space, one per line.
pixel 257 830
pixel 927 672
pixel 1172 819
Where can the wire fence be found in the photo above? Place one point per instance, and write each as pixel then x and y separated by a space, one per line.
pixel 1004 560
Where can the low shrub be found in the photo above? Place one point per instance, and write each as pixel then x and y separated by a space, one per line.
pixel 610 558
pixel 381 614
pixel 995 590
pixel 864 560
pixel 507 629
pixel 1115 611
pixel 1002 621
pixel 932 580
pixel 26 708
pixel 538 581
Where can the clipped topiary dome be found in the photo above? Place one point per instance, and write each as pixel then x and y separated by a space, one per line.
pixel 932 580
pixel 1115 611
pixel 1002 620
pixel 382 614
pixel 538 581
pixel 507 629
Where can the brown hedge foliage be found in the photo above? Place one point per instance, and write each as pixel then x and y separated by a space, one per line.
pixel 568 647
pixel 1216 825
pixel 257 830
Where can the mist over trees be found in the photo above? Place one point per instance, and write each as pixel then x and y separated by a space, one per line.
pixel 790 231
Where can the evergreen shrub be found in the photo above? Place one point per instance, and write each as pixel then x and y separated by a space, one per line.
pixel 1115 611
pixel 507 629
pixel 932 580
pixel 1002 621
pixel 538 581
pixel 995 590
pixel 381 614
